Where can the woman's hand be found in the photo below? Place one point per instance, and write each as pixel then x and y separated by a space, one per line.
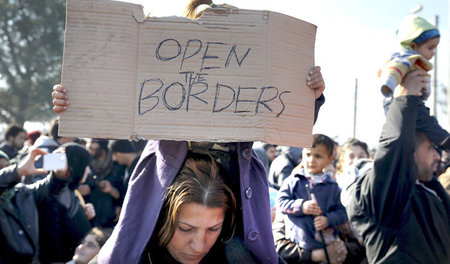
pixel 315 81
pixel 60 100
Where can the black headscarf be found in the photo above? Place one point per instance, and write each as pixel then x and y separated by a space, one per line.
pixel 78 158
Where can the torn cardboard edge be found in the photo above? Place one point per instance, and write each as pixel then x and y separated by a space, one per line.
pixel 232 75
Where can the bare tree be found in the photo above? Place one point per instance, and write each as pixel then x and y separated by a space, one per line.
pixel 31 46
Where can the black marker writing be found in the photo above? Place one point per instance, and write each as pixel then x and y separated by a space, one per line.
pixel 239 100
pixel 158 50
pixel 205 56
pixel 183 96
pixel 217 95
pixel 281 101
pixel 239 61
pixel 151 96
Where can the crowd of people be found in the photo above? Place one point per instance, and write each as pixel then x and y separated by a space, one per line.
pixel 54 210
pixel 121 201
pixel 73 211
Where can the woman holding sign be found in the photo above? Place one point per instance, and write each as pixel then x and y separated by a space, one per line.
pixel 160 163
pixel 162 160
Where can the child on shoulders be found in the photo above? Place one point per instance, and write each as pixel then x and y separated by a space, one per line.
pixel 419 40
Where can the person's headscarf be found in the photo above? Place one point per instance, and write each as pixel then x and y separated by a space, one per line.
pixel 78 158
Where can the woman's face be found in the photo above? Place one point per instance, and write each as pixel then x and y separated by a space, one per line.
pixel 352 154
pixel 196 231
pixel 86 250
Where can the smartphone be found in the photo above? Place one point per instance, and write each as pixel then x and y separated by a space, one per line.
pixel 55 161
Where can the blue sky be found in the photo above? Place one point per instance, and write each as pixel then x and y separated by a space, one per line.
pixel 354 39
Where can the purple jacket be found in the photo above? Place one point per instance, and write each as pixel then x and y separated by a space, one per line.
pixel 156 170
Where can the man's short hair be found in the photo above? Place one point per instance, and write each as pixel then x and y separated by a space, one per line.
pixel 54 126
pixel 321 139
pixel 266 146
pixel 419 138
pixel 123 146
pixel 13 130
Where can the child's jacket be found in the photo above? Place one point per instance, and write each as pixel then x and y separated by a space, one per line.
pixel 400 63
pixel 299 227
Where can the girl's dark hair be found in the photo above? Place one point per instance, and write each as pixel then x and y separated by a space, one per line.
pixel 351 142
pixel 327 142
pixel 199 181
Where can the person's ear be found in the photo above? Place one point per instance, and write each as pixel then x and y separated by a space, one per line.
pixel 412 45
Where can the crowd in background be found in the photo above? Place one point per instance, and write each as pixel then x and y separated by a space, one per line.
pixel 99 191
pixel 111 163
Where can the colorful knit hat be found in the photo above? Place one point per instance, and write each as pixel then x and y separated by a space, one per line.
pixel 415 29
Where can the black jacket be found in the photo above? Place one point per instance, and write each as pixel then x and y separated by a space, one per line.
pixel 52 229
pixel 400 220
pixel 18 215
pixel 62 225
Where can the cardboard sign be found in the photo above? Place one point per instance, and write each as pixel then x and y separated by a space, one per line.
pixel 232 75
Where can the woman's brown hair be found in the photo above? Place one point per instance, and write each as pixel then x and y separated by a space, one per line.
pixel 199 181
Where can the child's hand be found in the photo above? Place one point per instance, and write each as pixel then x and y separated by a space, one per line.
pixel 315 81
pixel 320 222
pixel 60 100
pixel 311 208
